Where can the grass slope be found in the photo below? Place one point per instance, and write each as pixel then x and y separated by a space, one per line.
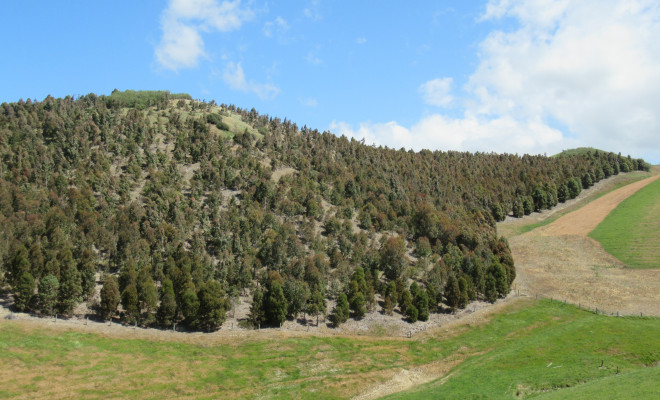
pixel 547 348
pixel 631 232
pixel 508 356
pixel 639 384
pixel 44 364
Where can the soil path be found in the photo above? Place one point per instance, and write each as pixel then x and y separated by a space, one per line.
pixel 584 220
pixel 559 261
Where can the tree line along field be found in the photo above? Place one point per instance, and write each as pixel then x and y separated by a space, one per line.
pixel 631 232
pixel 161 201
pixel 533 349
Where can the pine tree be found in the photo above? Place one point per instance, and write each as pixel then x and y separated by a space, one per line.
pixel 276 304
pixel 452 292
pixel 48 291
pixel 189 304
pixel 70 284
pixel 23 291
pixel 167 309
pixel 257 316
pixel 341 311
pixel 421 303
pixel 358 306
pixel 405 301
pixel 130 304
pixel 491 289
pixel 109 297
pixel 87 273
pixel 147 294
pixel 463 290
pixel 412 313
pixel 212 306
pixel 19 264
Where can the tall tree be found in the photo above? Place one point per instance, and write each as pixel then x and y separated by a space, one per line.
pixel 257 315
pixel 341 311
pixel 109 297
pixel 276 304
pixel 167 309
pixel 70 284
pixel 130 304
pixel 48 291
pixel 23 291
pixel 212 306
pixel 147 295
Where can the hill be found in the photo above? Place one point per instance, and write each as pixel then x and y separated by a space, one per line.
pixel 171 208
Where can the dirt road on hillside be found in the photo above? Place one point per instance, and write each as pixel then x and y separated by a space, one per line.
pixel 584 220
pixel 560 261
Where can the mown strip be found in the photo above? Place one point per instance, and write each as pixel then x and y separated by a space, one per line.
pixel 631 232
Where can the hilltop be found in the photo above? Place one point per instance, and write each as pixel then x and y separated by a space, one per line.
pixel 159 210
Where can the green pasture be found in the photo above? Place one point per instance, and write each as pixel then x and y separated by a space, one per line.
pixel 535 348
pixel 552 349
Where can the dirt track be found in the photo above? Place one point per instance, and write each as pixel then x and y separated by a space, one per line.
pixel 560 261
pixel 585 219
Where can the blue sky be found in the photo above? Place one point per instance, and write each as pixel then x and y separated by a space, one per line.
pixel 534 76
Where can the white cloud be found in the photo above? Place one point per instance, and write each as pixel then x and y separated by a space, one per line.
pixel 436 92
pixel 361 40
pixel 569 73
pixel 592 65
pixel 279 26
pixel 182 21
pixel 234 76
pixel 502 135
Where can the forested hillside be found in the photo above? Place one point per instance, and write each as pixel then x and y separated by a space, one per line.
pixel 177 206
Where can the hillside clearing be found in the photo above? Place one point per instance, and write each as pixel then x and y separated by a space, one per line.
pixel 559 261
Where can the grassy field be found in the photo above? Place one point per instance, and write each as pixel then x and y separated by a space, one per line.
pixel 631 232
pixel 639 384
pixel 552 349
pixel 532 348
pixel 38 363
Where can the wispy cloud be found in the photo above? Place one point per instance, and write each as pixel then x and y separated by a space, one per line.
pixel 437 92
pixel 313 10
pixel 234 77
pixel 313 59
pixel 277 27
pixel 182 23
pixel 361 40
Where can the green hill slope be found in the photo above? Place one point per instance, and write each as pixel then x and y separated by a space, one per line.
pixel 548 348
